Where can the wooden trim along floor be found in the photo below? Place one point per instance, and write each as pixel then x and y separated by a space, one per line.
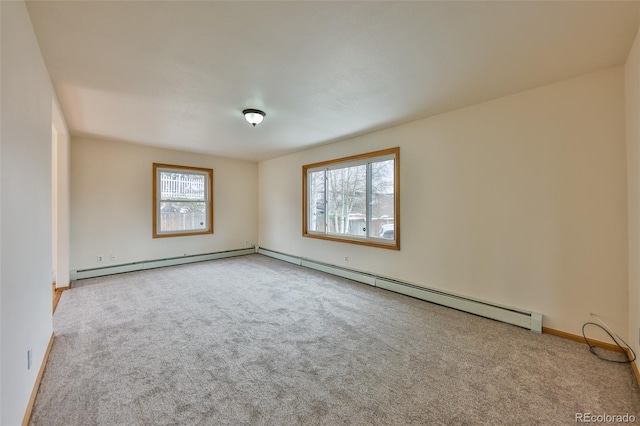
pixel 57 293
pixel 36 386
pixel 597 343
pixel 575 337
pixel 634 366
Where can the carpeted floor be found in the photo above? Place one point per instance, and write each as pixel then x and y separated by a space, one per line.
pixel 253 340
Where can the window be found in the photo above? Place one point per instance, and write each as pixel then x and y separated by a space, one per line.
pixel 354 199
pixel 182 201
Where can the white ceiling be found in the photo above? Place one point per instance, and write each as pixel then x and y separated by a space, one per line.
pixel 178 74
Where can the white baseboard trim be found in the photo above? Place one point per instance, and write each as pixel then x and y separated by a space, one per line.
pixel 519 317
pixel 156 263
pixel 341 272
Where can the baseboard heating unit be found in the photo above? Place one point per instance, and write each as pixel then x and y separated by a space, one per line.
pixel 157 263
pixel 521 318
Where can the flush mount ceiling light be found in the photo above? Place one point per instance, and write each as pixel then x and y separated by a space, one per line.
pixel 254 116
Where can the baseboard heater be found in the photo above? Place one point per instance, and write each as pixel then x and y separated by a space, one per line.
pixel 521 318
pixel 156 263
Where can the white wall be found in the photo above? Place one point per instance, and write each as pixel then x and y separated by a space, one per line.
pixel 632 86
pixel 112 204
pixel 519 201
pixel 25 202
pixel 1 299
pixel 62 202
pixel 54 202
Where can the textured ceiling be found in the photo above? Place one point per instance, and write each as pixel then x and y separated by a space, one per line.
pixel 178 74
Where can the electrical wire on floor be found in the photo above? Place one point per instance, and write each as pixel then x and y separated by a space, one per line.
pixel 611 334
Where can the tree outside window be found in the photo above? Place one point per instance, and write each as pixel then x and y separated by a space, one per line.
pixel 353 199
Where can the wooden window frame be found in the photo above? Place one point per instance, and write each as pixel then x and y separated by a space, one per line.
pixel 366 240
pixel 156 200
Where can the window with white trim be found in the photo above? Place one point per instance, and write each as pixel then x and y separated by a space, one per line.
pixel 354 199
pixel 182 200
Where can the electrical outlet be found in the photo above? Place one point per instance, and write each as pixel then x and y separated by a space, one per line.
pixel 346 259
pixel 246 242
pixel 100 258
pixel 112 257
pixel 29 351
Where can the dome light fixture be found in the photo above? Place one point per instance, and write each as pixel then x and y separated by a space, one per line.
pixel 254 116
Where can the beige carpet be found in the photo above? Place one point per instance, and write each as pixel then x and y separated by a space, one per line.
pixel 253 340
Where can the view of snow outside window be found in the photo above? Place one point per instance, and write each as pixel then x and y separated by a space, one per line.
pixel 338 200
pixel 183 202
